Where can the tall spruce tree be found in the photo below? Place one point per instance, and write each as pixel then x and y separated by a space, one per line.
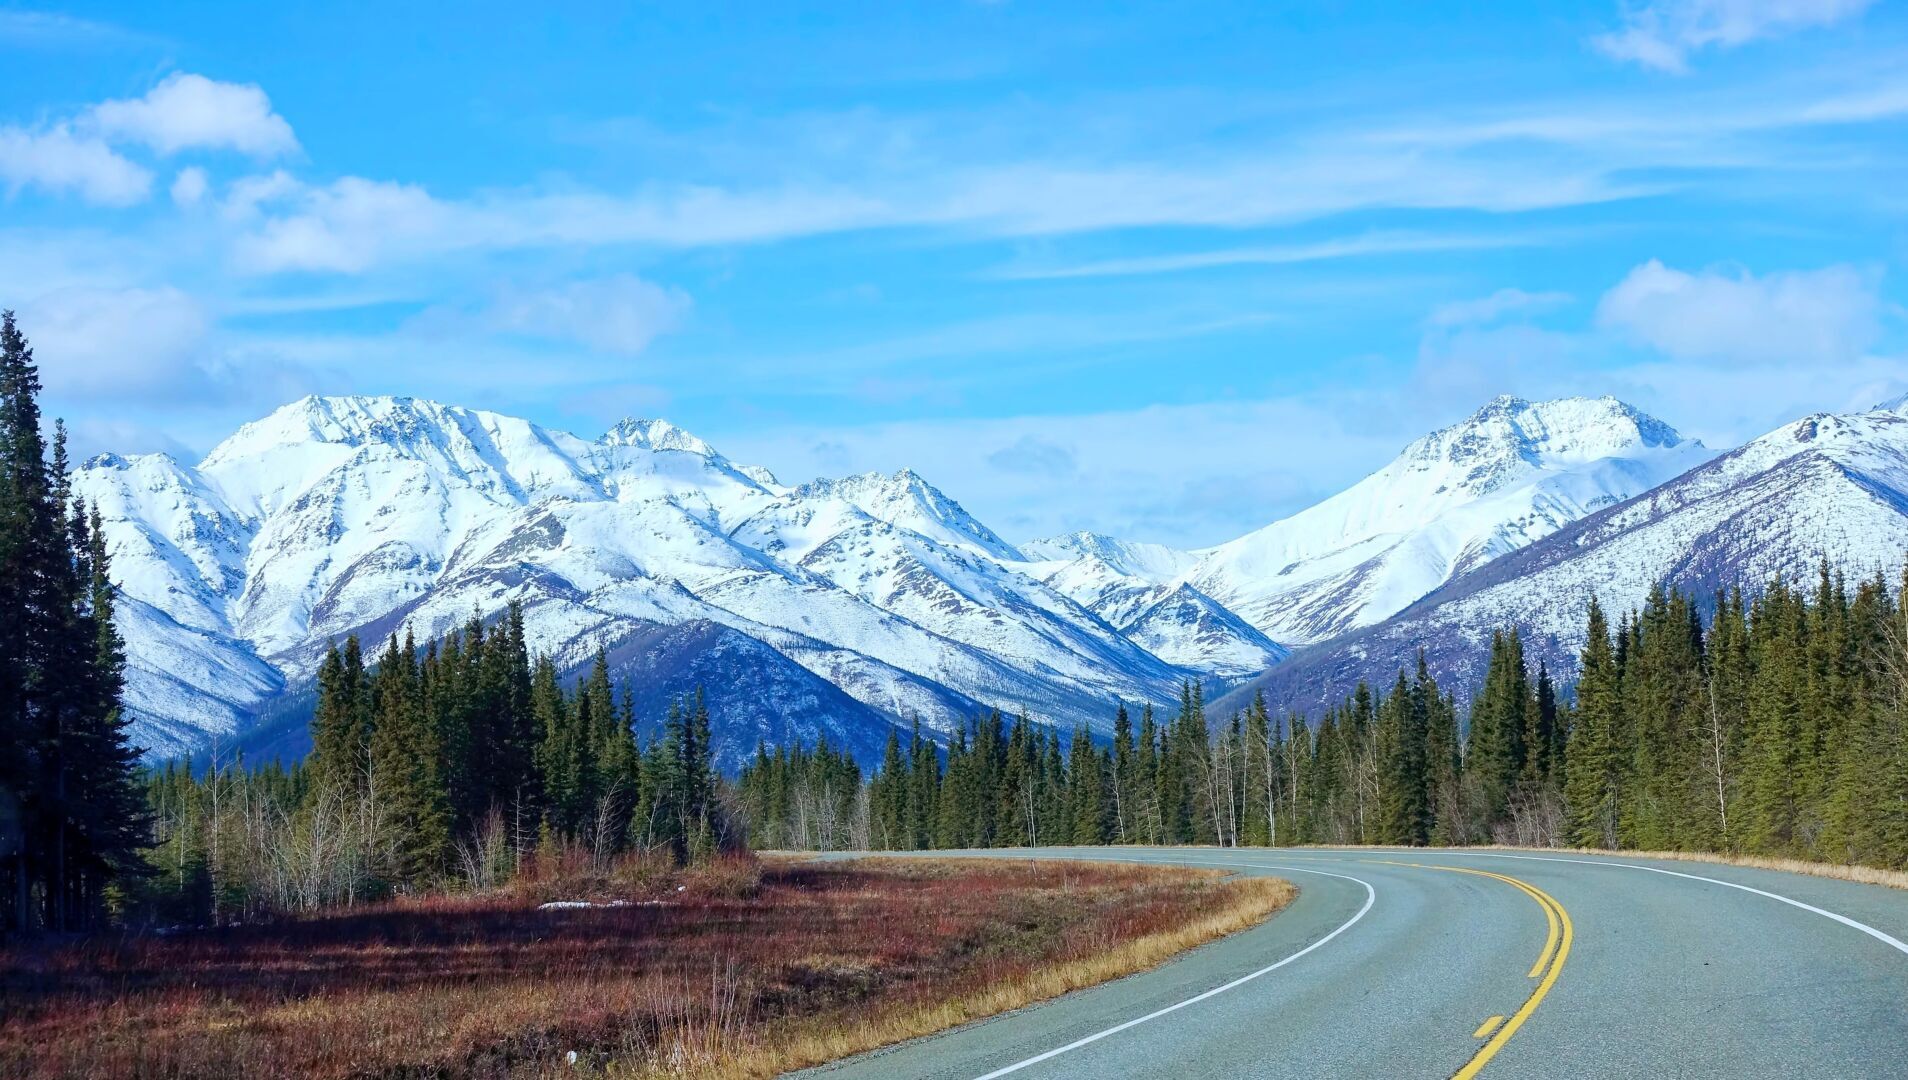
pixel 71 825
pixel 1594 783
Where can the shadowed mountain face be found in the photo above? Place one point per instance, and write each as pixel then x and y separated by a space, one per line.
pixel 838 608
pixel 1824 488
pixel 1509 475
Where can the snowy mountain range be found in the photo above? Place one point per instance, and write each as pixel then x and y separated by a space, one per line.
pixel 877 598
pixel 839 607
pixel 1512 473
pixel 1825 488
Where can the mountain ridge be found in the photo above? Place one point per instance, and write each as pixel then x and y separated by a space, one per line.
pixel 1823 489
pixel 335 515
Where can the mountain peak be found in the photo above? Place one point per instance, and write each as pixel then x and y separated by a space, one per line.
pixel 654 435
pixel 1508 430
pixel 345 419
pixel 905 498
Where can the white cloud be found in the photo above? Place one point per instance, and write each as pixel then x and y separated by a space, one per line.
pixel 192 112
pixel 127 344
pixel 978 179
pixel 1728 404
pixel 1375 243
pixel 345 226
pixel 1794 317
pixel 619 314
pixel 1489 309
pixel 189 186
pixel 1236 466
pixel 57 160
pixel 1661 35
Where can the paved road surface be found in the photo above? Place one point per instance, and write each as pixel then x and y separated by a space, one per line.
pixel 1501 965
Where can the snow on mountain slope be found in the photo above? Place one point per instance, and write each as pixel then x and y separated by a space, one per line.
pixel 1189 628
pixel 1175 622
pixel 341 515
pixel 1514 472
pixel 1824 487
pixel 362 514
pixel 908 502
pixel 1153 562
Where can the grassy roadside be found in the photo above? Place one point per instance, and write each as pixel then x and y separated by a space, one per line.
pixel 741 970
pixel 1238 904
pixel 1866 875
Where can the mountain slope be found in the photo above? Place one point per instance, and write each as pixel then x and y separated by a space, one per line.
pixel 1512 473
pixel 863 601
pixel 1825 487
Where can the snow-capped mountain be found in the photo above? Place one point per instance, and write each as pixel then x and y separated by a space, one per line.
pixel 881 596
pixel 1173 620
pixel 1512 473
pixel 1154 562
pixel 1824 487
pixel 838 606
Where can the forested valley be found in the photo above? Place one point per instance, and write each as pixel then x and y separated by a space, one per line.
pixel 1776 728
pixel 1764 722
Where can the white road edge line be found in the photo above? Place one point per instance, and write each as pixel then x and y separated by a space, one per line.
pixel 1887 939
pixel 1371 897
pixel 1879 935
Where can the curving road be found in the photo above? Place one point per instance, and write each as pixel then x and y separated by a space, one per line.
pixel 1416 963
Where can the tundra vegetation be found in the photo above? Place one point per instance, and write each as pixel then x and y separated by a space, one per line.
pixel 732 968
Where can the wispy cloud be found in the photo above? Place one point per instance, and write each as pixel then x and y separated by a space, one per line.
pixel 1498 305
pixel 1802 317
pixel 1375 243
pixel 49 29
pixel 1663 34
pixel 620 314
pixel 354 223
pixel 1527 158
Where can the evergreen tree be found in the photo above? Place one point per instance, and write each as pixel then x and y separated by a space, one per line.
pixel 924 799
pixel 71 822
pixel 1089 798
pixel 1594 784
pixel 407 780
pixel 1405 811
pixel 1149 822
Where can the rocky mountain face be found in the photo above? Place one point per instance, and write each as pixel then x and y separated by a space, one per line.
pixel 838 608
pixel 1823 489
pixel 1511 474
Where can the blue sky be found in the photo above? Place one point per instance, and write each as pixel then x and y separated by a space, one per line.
pixel 1165 270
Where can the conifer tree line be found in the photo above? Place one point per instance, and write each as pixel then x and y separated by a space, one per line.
pixel 1365 776
pixel 72 823
pixel 450 765
pixel 1778 726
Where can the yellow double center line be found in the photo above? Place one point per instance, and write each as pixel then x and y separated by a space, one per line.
pixel 1549 965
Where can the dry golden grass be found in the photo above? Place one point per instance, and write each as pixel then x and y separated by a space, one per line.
pixel 1250 901
pixel 1866 875
pixel 737 970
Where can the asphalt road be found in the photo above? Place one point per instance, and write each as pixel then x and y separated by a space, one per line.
pixel 1437 963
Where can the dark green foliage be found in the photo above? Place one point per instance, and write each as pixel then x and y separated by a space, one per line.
pixel 453 765
pixel 72 820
